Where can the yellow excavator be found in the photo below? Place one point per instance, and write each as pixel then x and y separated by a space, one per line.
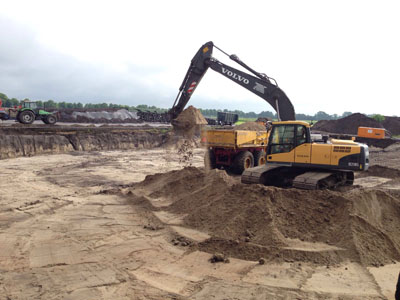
pixel 292 157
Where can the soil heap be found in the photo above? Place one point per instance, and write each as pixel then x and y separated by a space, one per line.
pixel 254 221
pixel 250 126
pixel 189 122
pixel 392 124
pixel 97 116
pixel 264 120
pixel 347 125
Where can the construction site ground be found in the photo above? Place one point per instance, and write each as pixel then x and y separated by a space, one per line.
pixel 91 225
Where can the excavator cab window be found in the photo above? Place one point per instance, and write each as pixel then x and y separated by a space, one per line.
pixel 282 139
pixel 301 135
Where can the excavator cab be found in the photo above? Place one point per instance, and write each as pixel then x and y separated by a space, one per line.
pixel 289 142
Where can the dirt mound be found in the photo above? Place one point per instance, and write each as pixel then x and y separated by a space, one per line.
pixel 265 120
pixel 347 125
pixel 381 171
pixel 392 124
pixel 189 117
pixel 250 126
pixel 253 221
pixel 189 122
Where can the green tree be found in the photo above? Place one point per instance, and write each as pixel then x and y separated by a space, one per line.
pixel 378 117
pixel 346 114
pixel 62 105
pixel 14 102
pixel 321 115
pixel 4 99
pixel 50 104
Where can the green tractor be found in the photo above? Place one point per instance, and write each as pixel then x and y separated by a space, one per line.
pixel 30 112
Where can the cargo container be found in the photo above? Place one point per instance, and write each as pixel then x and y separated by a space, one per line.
pixel 373 133
pixel 224 118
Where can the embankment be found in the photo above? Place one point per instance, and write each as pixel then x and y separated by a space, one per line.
pixel 29 141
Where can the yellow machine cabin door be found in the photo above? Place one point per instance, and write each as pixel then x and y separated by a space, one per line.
pixel 303 146
pixel 281 148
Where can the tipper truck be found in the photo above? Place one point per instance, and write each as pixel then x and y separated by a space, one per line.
pixel 236 150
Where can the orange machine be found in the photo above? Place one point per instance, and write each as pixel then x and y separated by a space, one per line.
pixel 373 133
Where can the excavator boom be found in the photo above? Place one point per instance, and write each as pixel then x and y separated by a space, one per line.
pixel 260 84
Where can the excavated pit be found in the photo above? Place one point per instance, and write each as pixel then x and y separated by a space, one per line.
pixel 32 140
pixel 253 221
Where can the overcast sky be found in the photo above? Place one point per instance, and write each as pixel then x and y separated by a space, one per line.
pixel 331 56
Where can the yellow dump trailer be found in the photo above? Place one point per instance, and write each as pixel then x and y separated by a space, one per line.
pixel 235 150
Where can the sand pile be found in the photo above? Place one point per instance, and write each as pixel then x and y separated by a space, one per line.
pixel 189 122
pixel 253 221
pixel 189 117
pixel 347 125
pixel 250 126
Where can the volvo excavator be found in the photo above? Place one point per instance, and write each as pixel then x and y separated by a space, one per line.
pixel 293 159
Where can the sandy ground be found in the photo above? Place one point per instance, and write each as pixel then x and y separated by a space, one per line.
pixel 62 236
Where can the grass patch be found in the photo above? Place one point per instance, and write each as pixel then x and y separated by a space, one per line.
pixel 244 120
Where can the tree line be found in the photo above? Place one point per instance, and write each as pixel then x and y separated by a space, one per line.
pixel 211 113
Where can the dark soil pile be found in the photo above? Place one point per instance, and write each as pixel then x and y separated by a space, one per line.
pixel 380 171
pixel 347 125
pixel 392 124
pixel 250 126
pixel 254 221
pixel 264 120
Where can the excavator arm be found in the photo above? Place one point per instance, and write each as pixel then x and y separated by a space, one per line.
pixel 260 84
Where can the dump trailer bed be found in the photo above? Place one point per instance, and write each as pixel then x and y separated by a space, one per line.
pixel 234 139
pixel 236 150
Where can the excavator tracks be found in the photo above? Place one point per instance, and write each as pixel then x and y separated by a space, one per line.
pixel 255 175
pixel 323 180
pixel 301 178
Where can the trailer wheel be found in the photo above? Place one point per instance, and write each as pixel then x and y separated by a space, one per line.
pixel 50 119
pixel 244 160
pixel 209 160
pixel 26 117
pixel 260 158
